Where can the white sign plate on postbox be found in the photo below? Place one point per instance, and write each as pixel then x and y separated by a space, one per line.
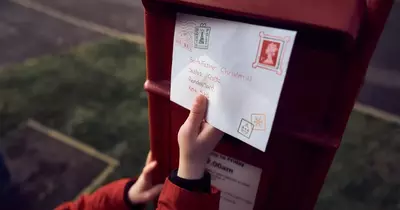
pixel 237 181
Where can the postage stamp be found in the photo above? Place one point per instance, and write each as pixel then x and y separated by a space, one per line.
pixel 184 36
pixel 245 128
pixel 202 36
pixel 258 121
pixel 270 52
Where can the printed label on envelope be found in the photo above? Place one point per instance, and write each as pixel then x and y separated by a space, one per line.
pixel 239 67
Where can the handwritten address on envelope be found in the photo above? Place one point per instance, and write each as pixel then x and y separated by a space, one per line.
pixel 239 67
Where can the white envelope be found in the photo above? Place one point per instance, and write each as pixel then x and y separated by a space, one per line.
pixel 239 67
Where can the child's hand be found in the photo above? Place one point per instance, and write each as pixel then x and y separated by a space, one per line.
pixel 143 190
pixel 197 139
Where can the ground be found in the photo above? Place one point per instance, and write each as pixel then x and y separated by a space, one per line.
pixel 365 173
pixel 93 93
pixel 381 88
pixel 25 33
pixel 45 171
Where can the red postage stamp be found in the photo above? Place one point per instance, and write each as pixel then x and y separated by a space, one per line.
pixel 270 52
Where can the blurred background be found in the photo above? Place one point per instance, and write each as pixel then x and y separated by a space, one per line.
pixel 73 112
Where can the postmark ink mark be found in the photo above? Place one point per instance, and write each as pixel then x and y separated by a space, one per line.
pixel 184 36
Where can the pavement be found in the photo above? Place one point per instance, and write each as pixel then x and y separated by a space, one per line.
pixel 382 82
pixel 122 15
pixel 46 170
pixel 27 31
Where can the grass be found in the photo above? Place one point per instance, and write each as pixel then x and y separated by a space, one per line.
pixel 95 94
pixel 365 174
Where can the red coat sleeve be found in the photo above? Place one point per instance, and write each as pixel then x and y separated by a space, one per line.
pixel 175 198
pixel 108 197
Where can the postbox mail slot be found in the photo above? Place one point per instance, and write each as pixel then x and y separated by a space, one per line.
pixel 318 61
pixel 314 72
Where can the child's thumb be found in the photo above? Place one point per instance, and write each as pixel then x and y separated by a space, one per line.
pixel 198 111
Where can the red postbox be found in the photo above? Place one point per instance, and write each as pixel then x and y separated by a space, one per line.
pixel 334 43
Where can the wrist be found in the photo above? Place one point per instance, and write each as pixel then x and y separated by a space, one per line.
pixel 132 194
pixel 191 170
pixel 129 196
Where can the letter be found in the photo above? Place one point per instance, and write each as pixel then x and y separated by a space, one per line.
pixel 223 69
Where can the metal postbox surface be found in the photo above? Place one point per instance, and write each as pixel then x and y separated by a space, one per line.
pixel 335 40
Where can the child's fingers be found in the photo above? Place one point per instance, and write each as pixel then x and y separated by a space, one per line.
pixel 149 158
pixel 146 173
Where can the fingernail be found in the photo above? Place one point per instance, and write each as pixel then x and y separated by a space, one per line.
pixel 200 99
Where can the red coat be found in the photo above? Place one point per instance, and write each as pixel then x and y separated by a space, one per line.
pixel 172 197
